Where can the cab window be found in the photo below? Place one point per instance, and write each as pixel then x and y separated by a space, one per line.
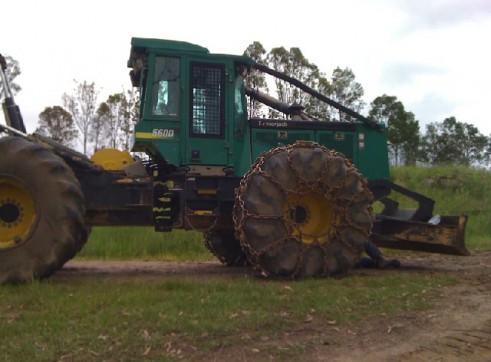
pixel 166 87
pixel 207 100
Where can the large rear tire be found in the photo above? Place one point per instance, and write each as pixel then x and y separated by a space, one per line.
pixel 303 211
pixel 41 212
pixel 224 245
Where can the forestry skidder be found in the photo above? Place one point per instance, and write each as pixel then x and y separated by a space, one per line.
pixel 293 197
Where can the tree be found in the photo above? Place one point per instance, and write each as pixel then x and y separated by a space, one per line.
pixel 256 79
pixel 114 120
pixel 82 105
pixel 293 63
pixel 453 142
pixel 346 91
pixel 98 128
pixel 278 60
pixel 402 128
pixel 316 108
pixel 115 104
pixel 131 115
pixel 56 123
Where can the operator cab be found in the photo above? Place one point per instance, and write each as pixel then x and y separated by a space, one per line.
pixel 188 99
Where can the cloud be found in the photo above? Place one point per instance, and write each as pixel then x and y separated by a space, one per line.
pixel 443 13
pixel 400 73
pixel 431 108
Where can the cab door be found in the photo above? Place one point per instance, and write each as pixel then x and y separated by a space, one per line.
pixel 208 97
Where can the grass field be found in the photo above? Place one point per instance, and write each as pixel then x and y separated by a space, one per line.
pixel 126 319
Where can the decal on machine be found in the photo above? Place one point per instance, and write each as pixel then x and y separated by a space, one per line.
pixel 272 123
pixel 158 133
pixel 163 133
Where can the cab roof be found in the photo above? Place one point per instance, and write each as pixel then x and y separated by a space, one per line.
pixel 146 45
pixel 164 44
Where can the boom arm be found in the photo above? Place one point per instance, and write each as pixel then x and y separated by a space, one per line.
pixel 290 109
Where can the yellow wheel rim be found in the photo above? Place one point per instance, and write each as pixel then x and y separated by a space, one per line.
pixel 17 212
pixel 312 217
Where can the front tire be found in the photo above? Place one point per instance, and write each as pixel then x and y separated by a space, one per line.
pixel 303 211
pixel 41 212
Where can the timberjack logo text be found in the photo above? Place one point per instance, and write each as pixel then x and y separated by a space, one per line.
pixel 272 124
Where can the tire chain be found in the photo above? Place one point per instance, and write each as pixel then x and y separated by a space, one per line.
pixel 241 214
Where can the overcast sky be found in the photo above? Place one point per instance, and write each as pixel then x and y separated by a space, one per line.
pixel 433 55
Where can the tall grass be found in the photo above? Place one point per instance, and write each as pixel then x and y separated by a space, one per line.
pixel 144 243
pixel 456 191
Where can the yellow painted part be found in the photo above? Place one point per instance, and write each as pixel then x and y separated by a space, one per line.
pixel 145 135
pixel 319 217
pixel 18 212
pixel 203 212
pixel 112 159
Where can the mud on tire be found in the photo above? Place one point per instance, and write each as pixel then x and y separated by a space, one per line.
pixel 303 211
pixel 41 211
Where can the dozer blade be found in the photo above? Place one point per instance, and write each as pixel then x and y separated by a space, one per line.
pixel 447 237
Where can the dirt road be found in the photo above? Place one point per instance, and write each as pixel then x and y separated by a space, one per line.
pixel 457 328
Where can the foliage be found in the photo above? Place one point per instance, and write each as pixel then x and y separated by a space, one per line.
pixel 402 128
pixel 315 108
pixel 256 79
pixel 111 112
pixel 56 123
pixel 82 105
pixel 346 91
pixel 114 121
pixel 131 114
pixel 98 133
pixel 453 142
pixel 293 63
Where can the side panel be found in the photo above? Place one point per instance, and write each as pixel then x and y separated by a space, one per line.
pixel 372 153
pixel 366 148
pixel 266 137
pixel 341 141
